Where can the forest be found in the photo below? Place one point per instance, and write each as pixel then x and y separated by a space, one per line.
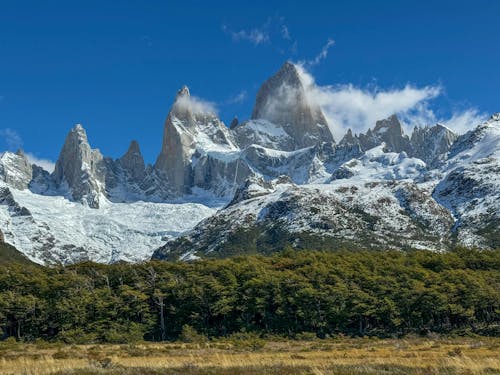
pixel 289 294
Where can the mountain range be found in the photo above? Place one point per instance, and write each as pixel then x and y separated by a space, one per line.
pixel 278 179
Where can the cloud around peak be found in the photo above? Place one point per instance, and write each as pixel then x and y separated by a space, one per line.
pixel 195 104
pixel 46 164
pixel 349 107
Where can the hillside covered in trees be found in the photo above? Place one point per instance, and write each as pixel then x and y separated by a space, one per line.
pixel 387 293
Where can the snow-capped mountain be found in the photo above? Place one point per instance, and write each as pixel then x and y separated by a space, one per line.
pixel 379 199
pixel 276 179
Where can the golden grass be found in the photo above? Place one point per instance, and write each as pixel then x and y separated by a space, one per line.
pixel 346 356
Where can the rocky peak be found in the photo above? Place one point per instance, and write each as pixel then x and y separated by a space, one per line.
pixel 349 139
pixel 133 162
pixel 489 129
pixel 182 107
pixel 234 123
pixel 81 168
pixel 189 127
pixel 184 91
pixel 431 144
pixel 390 131
pixel 15 169
pixel 283 100
pixel 390 124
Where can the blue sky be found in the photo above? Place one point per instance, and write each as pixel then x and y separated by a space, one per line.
pixel 115 66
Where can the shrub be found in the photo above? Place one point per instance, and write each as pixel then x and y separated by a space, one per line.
pixel 190 335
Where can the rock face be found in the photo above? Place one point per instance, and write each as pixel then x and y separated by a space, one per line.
pixel 431 144
pixel 81 168
pixel 15 169
pixel 390 131
pixel 378 199
pixel 189 128
pixel 470 188
pixel 283 101
pixel 276 179
pixel 133 162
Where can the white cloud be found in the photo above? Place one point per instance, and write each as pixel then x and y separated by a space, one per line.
pixel 274 32
pixel 463 121
pixel 195 104
pixel 285 33
pixel 238 98
pixel 12 139
pixel 348 106
pixel 46 164
pixel 322 55
pixel 255 36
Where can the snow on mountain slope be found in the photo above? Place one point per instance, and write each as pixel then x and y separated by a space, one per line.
pixel 376 164
pixel 470 188
pixel 380 199
pixel 287 181
pixel 374 202
pixel 55 230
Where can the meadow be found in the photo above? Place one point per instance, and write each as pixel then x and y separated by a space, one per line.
pixel 245 356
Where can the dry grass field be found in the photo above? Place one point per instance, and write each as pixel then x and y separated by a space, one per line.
pixel 335 356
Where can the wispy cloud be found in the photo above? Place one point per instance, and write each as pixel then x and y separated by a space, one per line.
pixel 460 120
pixel 285 33
pixel 46 164
pixel 11 138
pixel 348 106
pixel 238 98
pixel 195 104
pixel 255 36
pixel 274 32
pixel 320 56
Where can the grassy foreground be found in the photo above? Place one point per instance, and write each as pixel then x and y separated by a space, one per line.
pixel 329 356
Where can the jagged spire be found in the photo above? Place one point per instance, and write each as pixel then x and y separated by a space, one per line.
pixel 183 92
pixel 283 100
pixel 80 167
pixel 390 124
pixel 348 138
pixel 133 162
pixel 234 123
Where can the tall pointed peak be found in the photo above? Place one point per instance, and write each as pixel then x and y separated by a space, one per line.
pixel 134 147
pixel 77 132
pixel 391 124
pixel 283 100
pixel 288 75
pixel 349 138
pixel 495 116
pixel 133 161
pixel 183 92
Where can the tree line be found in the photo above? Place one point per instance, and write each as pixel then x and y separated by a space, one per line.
pixel 383 293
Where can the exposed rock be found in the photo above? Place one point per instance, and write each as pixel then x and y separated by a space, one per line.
pixel 390 131
pixel 234 123
pixel 381 215
pixel 189 128
pixel 282 100
pixel 81 168
pixel 431 144
pixel 133 162
pixel 15 169
pixel 349 139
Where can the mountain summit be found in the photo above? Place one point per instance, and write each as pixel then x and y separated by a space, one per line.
pixel 275 179
pixel 283 100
